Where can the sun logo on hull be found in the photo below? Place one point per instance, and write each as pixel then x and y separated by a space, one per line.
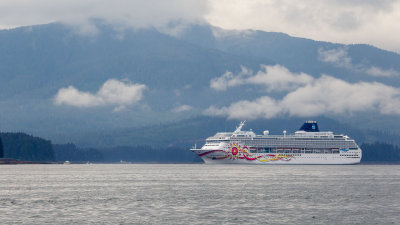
pixel 236 151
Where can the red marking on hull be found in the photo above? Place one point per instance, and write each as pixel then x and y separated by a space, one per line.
pixel 248 158
pixel 206 153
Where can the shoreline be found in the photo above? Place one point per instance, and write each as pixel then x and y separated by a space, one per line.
pixel 9 161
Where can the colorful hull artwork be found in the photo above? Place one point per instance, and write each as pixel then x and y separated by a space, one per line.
pixel 238 152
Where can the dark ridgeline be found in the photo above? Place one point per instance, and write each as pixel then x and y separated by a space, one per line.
pixel 381 153
pixel 69 152
pixel 147 154
pixel 25 147
pixel 1 149
pixel 185 133
pixel 373 153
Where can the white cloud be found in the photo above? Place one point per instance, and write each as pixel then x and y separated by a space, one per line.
pixel 113 92
pixel 324 95
pixel 378 72
pixel 74 97
pixel 339 57
pixel 331 95
pixel 182 108
pixel 263 107
pixel 228 79
pixel 274 78
pixel 279 78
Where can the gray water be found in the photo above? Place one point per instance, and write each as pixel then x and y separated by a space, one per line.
pixel 199 194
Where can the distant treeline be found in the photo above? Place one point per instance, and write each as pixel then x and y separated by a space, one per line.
pixel 69 152
pixel 1 149
pixel 25 147
pixel 139 154
pixel 380 153
pixel 147 154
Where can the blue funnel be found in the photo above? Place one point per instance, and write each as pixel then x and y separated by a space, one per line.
pixel 310 126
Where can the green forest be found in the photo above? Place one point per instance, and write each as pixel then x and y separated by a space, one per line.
pixel 24 147
pixel 1 149
pixel 379 152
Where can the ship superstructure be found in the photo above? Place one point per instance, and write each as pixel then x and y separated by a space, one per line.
pixel 306 146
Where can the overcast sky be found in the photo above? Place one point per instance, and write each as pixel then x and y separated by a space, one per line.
pixel 344 21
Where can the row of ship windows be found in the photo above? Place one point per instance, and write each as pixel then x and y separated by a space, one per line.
pixel 280 140
pixel 349 145
pixel 304 145
pixel 302 150
pixel 347 156
pixel 350 156
pixel 320 157
pixel 298 151
pixel 208 144
pixel 343 144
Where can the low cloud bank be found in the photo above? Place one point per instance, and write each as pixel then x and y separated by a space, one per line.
pixel 311 97
pixel 339 57
pixel 119 13
pixel 112 92
pixel 182 108
pixel 274 78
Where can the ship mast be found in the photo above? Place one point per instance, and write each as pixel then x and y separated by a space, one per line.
pixel 239 128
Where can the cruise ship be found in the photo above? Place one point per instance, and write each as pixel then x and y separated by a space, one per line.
pixel 308 145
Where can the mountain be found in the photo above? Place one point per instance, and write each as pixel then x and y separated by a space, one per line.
pixel 297 54
pixel 37 61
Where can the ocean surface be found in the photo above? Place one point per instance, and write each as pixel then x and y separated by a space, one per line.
pixel 199 194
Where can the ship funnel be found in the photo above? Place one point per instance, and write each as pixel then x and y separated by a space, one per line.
pixel 310 126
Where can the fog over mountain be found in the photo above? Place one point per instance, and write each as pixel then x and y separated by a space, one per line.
pixel 60 84
pixel 349 21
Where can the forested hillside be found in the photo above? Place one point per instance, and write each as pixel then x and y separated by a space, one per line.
pixel 69 152
pixel 1 149
pixel 146 154
pixel 25 147
pixel 379 152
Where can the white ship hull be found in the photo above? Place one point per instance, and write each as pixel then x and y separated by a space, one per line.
pixel 226 157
